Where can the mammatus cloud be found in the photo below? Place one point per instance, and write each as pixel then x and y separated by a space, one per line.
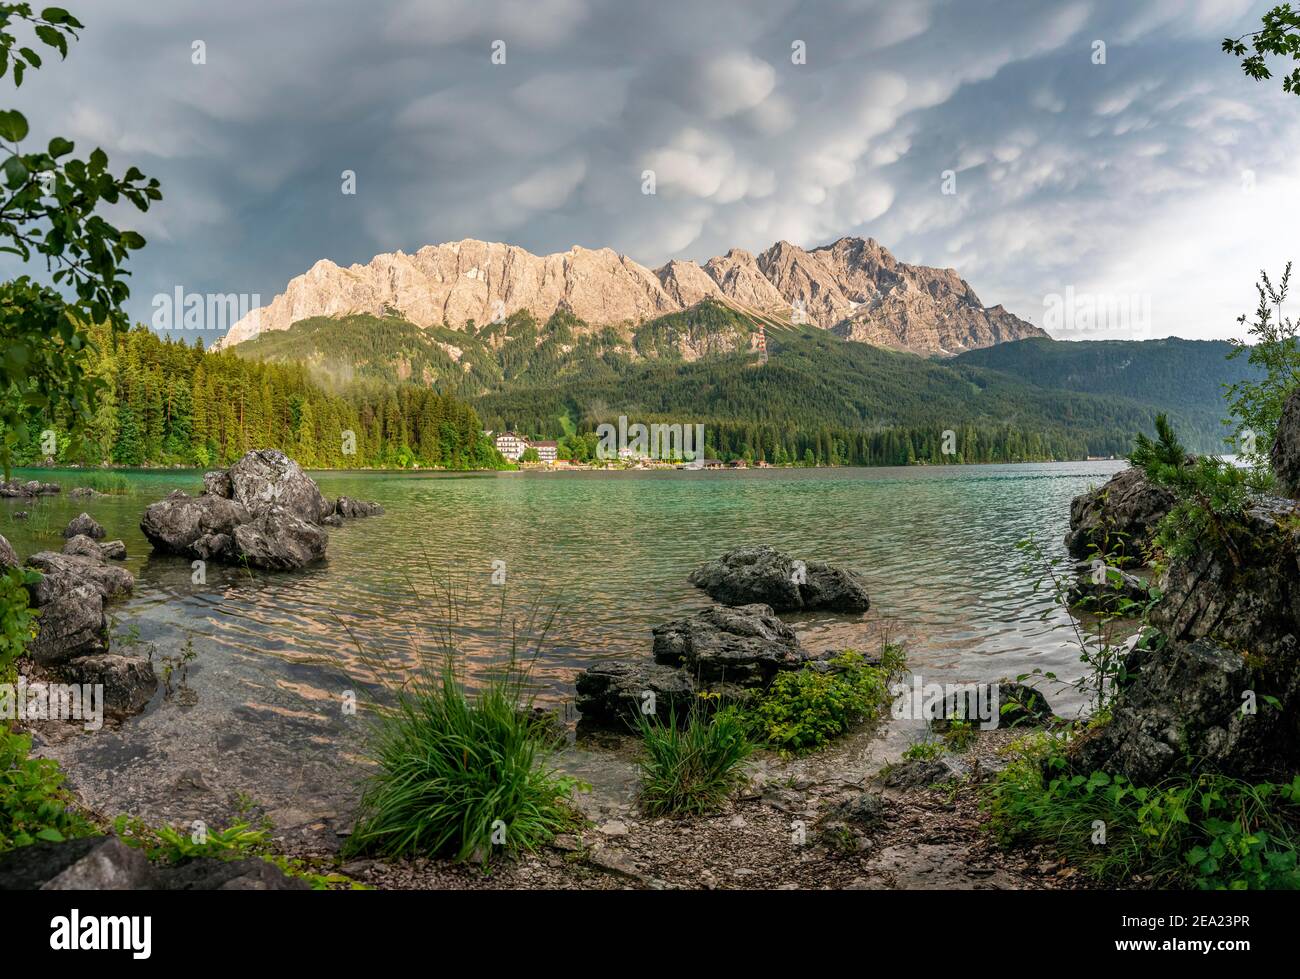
pixel 990 137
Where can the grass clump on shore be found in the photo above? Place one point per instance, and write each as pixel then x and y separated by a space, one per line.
pixel 461 776
pixel 804 709
pixel 1201 831
pixel 691 769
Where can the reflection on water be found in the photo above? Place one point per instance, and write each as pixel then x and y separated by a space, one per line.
pixel 609 553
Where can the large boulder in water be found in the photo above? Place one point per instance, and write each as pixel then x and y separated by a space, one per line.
pixel 764 575
pixel 1284 456
pixel 193 526
pixel 1117 519
pixel 349 509
pixel 267 477
pixel 129 682
pixel 279 540
pixel 746 646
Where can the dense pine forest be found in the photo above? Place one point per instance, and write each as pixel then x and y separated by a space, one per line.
pixel 164 402
pixel 365 391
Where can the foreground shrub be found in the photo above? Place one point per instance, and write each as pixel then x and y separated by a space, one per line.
pixel 1204 831
pixel 459 776
pixel 33 802
pixel 803 709
pixel 692 770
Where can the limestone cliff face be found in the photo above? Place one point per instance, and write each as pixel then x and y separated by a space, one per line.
pixel 854 286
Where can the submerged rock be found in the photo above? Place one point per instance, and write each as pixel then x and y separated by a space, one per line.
pixel 1118 519
pixel 83 525
pixel 348 508
pixel 748 575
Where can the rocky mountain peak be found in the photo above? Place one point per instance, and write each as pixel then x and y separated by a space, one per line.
pixel 854 286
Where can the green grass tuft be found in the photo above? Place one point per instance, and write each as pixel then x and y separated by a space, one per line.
pixel 692 770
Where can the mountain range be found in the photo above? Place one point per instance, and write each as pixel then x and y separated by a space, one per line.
pixel 854 287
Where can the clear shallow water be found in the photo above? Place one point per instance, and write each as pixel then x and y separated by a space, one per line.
pixel 609 551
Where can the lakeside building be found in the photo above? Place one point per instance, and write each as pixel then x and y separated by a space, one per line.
pixel 511 445
pixel 546 451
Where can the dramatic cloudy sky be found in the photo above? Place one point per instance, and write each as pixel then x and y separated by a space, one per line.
pixel 1163 174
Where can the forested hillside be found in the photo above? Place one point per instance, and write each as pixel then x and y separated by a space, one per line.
pixel 168 403
pixel 818 398
pixel 1185 376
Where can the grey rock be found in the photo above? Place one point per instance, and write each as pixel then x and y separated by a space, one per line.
pixel 747 645
pixel 178 523
pixel 349 508
pixel 611 694
pixel 95 863
pixel 279 540
pixel 916 773
pixel 105 863
pixel 1118 519
pixel 13 488
pixel 84 524
pixel 71 624
pixel 113 550
pixel 8 556
pixel 82 492
pixel 866 811
pixel 217 483
pixel 266 478
pixel 1284 455
pixel 748 575
pixel 83 546
pixel 129 681
pixel 64 573
pixel 333 520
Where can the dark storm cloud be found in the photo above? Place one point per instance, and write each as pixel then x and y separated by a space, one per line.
pixel 1127 177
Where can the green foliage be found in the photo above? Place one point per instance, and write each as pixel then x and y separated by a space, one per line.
pixel 1205 831
pixel 691 770
pixel 49 212
pixel 1257 402
pixel 530 455
pixel 239 841
pixel 804 709
pixel 459 775
pixel 926 749
pixel 17 619
pixel 33 802
pixel 1279 35
pixel 1210 495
